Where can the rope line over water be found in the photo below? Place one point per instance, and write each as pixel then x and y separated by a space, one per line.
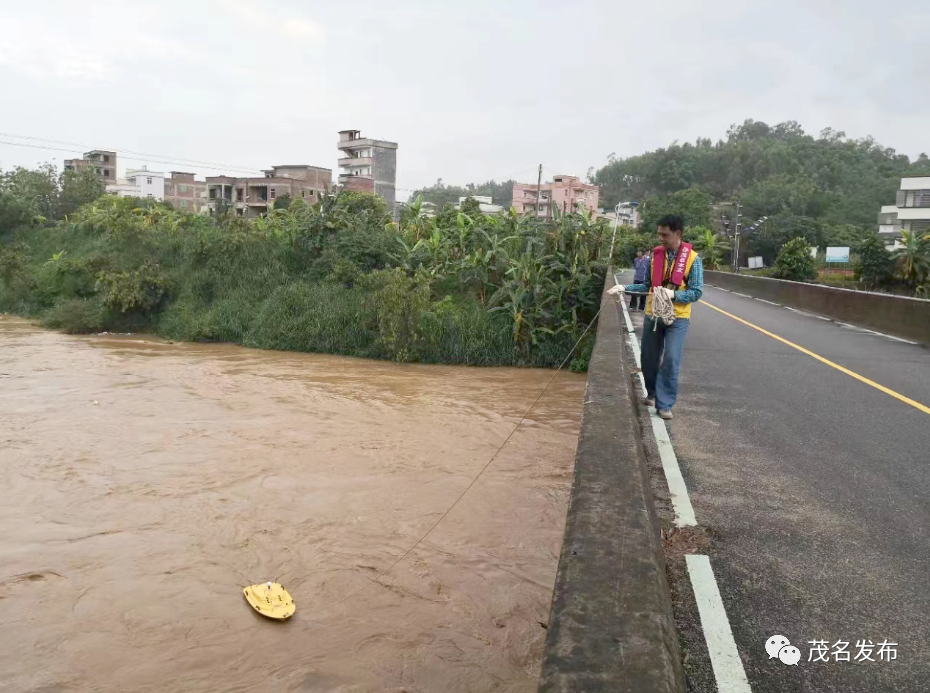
pixel 419 541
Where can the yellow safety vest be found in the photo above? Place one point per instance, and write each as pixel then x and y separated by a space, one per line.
pixel 682 310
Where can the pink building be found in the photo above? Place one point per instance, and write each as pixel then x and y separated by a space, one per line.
pixel 564 192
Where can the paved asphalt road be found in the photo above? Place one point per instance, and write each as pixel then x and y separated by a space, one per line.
pixel 815 489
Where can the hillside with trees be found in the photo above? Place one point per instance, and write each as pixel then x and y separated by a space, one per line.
pixel 771 169
pixel 827 190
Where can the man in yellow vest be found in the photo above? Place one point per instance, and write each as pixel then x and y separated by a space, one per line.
pixel 675 266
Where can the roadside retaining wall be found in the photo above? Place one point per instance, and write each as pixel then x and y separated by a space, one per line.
pixel 611 626
pixel 908 318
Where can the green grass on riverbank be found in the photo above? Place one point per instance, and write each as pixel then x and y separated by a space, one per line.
pixel 335 277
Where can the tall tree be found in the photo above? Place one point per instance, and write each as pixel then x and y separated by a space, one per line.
pixel 77 189
pixel 694 205
pixel 441 194
pixel 875 266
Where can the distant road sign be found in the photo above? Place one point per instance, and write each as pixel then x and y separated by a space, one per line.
pixel 838 254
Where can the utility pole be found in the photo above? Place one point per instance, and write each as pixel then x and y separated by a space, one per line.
pixel 614 237
pixel 739 215
pixel 538 188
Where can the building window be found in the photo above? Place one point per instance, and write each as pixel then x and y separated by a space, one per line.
pixel 303 193
pixel 148 180
pixel 185 203
pixel 106 158
pixel 917 198
pixel 182 188
pixel 150 195
pixel 131 181
pixel 272 193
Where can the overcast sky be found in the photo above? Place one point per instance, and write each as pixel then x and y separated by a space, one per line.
pixel 469 90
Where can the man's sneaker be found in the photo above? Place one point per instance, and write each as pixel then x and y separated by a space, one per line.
pixel 650 401
pixel 665 414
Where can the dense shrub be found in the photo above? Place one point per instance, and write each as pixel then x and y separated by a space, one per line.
pixel 338 276
pixel 76 315
pixel 795 261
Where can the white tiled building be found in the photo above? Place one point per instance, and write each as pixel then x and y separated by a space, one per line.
pixel 910 212
pixel 140 183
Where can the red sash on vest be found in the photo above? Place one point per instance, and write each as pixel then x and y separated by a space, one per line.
pixel 678 271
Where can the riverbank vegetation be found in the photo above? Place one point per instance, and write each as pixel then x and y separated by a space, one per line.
pixel 337 276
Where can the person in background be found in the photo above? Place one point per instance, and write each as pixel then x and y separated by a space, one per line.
pixel 662 344
pixel 641 274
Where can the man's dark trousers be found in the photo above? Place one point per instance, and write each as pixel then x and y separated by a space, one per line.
pixel 661 358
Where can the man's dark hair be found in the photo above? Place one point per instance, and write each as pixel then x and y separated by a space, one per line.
pixel 673 222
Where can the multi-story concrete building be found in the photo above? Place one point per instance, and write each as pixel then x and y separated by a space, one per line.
pixel 564 193
pixel 102 161
pixel 139 183
pixel 252 197
pixel 627 213
pixel 910 212
pixel 185 192
pixel 368 165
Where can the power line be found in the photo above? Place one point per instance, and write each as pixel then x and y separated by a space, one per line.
pixel 124 158
pixel 164 159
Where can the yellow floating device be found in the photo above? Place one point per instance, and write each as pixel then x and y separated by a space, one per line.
pixel 270 599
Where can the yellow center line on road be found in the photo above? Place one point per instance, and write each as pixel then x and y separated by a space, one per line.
pixel 907 400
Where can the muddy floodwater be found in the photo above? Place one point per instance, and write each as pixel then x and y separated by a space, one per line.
pixel 144 483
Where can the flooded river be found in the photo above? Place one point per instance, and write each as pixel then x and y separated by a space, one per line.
pixel 143 483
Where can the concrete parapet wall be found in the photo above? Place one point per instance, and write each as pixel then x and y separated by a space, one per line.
pixel 908 318
pixel 611 626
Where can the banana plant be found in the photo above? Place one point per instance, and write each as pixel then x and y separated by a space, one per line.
pixel 56 258
pixel 712 247
pixel 913 258
pixel 407 257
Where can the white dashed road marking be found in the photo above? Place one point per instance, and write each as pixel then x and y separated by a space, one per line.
pixel 681 502
pixel 724 657
pixel 810 315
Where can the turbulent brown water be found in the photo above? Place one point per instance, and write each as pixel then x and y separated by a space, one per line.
pixel 143 483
